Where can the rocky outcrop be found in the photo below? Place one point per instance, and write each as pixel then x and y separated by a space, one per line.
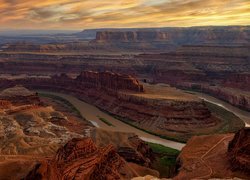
pixel 81 159
pixel 128 145
pixel 215 156
pixel 27 127
pixel 19 95
pixel 109 80
pixel 239 151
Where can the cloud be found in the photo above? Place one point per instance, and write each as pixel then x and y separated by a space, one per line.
pixel 79 14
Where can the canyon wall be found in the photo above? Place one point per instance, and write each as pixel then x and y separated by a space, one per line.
pixel 226 66
pixel 235 97
pixel 109 80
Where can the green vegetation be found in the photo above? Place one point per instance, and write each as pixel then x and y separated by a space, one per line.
pixel 64 102
pixel 105 121
pixel 165 161
pixel 160 149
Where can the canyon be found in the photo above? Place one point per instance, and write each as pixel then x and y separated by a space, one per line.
pixel 35 135
pixel 204 67
pixel 147 79
pixel 159 110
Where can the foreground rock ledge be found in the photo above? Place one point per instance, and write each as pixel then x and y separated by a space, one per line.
pixel 81 159
pixel 216 156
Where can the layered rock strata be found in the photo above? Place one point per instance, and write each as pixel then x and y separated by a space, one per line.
pixel 109 80
pixel 19 96
pixel 26 128
pixel 81 159
pixel 191 35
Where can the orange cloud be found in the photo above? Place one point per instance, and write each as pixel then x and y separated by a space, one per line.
pixel 78 14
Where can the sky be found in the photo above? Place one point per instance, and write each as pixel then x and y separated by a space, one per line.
pixel 86 14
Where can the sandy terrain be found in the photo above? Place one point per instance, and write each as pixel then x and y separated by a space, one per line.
pixel 163 91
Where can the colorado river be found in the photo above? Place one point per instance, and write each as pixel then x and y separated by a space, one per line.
pixel 92 114
pixel 244 115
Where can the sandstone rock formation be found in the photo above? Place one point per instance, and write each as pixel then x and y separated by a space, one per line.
pixel 27 129
pixel 109 80
pixel 81 159
pixel 215 156
pixel 128 146
pixel 239 151
pixel 19 95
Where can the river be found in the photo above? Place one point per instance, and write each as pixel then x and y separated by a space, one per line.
pixel 92 114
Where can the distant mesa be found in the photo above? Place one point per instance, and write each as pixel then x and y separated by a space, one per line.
pixel 129 40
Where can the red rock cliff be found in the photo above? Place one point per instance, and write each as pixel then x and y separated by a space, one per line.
pixel 109 80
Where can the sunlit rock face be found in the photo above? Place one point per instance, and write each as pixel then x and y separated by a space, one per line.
pixel 26 126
